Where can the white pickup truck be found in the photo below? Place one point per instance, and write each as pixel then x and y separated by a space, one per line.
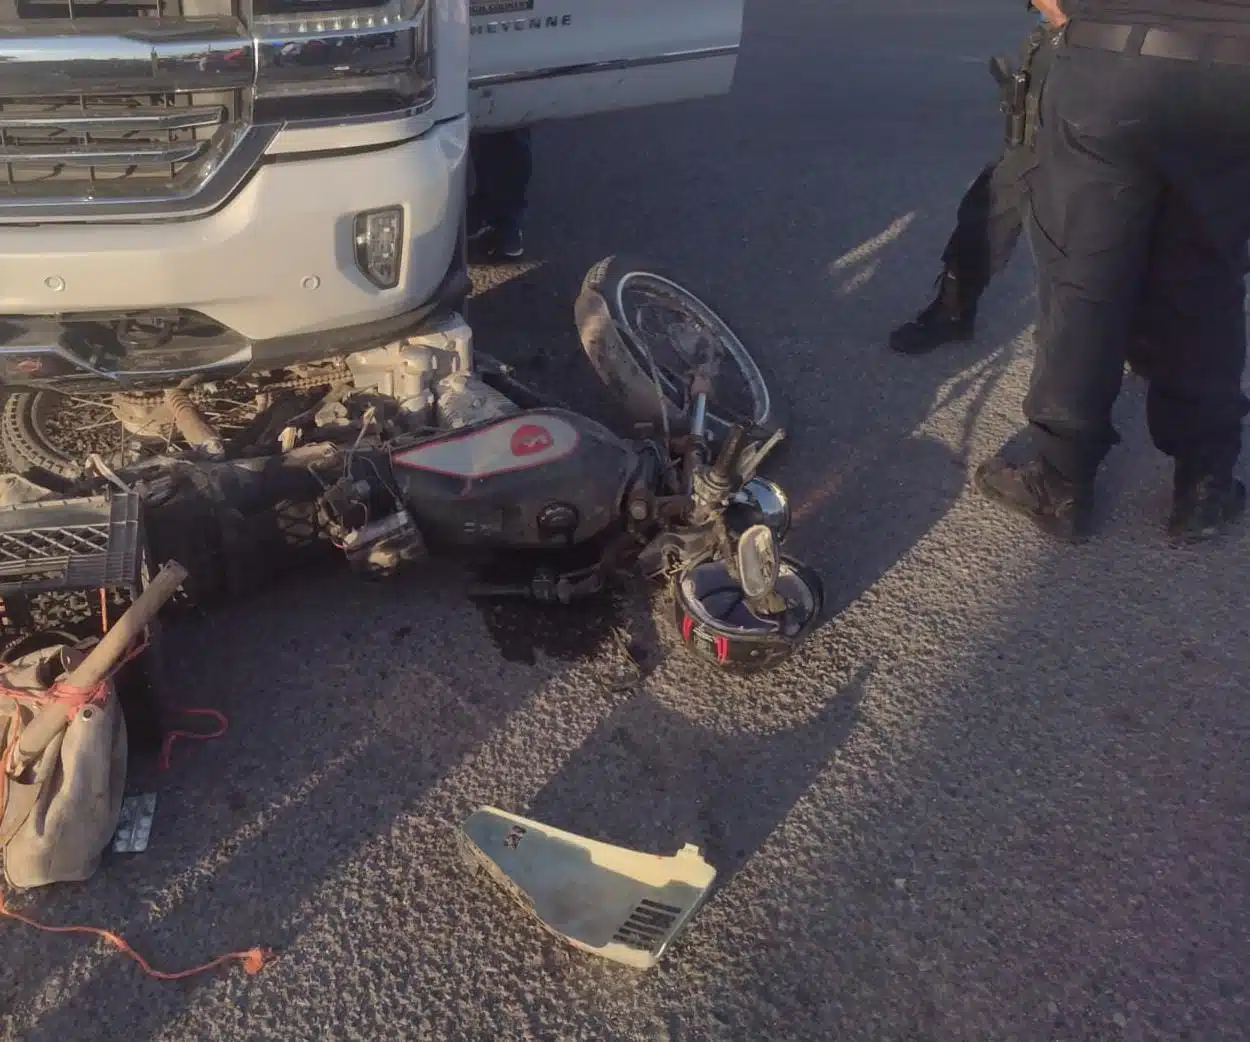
pixel 217 187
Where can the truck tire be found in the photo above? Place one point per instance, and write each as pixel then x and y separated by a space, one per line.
pixel 621 357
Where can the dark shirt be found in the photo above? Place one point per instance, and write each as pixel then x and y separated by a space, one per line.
pixel 1209 15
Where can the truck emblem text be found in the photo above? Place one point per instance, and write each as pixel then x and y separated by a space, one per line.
pixel 517 25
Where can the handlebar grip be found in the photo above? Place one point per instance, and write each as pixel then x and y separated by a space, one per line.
pixel 729 452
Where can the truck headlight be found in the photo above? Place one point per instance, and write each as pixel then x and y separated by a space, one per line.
pixel 335 59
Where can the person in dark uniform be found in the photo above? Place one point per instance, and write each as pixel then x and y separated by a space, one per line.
pixel 502 167
pixel 990 215
pixel 1139 211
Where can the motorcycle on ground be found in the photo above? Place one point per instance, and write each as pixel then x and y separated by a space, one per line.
pixel 427 447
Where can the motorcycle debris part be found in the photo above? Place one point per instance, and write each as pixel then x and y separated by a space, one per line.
pixel 134 827
pixel 609 901
pixel 719 626
pixel 644 333
pixel 546 586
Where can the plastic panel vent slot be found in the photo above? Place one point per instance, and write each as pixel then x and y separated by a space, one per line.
pixel 648 926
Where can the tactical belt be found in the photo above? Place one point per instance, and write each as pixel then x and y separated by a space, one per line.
pixel 1159 43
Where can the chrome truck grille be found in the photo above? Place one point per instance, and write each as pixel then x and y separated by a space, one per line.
pixel 134 109
pixel 123 116
pixel 151 143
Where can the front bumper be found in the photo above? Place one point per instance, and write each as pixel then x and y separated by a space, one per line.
pixel 269 279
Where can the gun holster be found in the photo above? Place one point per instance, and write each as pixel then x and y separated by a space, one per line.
pixel 1013 89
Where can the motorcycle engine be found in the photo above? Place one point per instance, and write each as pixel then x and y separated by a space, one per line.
pixel 494 477
pixel 536 479
pixel 417 373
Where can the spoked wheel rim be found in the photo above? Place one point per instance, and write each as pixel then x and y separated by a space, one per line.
pixel 666 323
pixel 56 432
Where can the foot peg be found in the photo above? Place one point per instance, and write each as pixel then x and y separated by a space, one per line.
pixel 546 587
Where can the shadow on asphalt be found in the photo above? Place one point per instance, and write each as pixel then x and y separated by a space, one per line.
pixel 369 722
pixel 1060 854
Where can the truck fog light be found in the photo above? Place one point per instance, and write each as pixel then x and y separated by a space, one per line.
pixel 379 236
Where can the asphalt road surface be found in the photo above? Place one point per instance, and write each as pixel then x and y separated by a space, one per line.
pixel 1000 796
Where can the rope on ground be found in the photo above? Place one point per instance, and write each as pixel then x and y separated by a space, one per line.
pixel 253 960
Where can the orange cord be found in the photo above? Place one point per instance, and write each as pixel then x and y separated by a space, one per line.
pixel 253 960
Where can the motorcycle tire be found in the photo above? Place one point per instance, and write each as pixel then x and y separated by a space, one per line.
pixel 27 449
pixel 621 358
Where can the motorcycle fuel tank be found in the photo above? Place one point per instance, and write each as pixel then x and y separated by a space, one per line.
pixel 542 478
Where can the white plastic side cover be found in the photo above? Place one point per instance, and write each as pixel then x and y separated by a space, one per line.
pixel 609 901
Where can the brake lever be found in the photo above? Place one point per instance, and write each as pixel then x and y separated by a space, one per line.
pixel 754 455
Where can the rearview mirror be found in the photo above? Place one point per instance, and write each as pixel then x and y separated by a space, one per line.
pixel 759 562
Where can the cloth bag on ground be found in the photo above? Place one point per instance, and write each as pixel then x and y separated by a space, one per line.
pixel 61 789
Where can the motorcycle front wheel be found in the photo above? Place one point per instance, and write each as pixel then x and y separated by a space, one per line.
pixel 640 327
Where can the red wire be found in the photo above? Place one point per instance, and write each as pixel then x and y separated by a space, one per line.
pixel 172 736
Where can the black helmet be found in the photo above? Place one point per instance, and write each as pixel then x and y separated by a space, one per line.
pixel 716 623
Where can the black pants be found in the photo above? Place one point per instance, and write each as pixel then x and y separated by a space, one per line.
pixel 502 166
pixel 991 214
pixel 1140 208
pixel 987 224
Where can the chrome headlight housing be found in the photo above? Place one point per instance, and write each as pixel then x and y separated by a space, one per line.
pixel 335 59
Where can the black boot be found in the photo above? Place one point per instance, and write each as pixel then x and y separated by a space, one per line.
pixel 948 319
pixel 1204 506
pixel 1059 507
pixel 497 242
